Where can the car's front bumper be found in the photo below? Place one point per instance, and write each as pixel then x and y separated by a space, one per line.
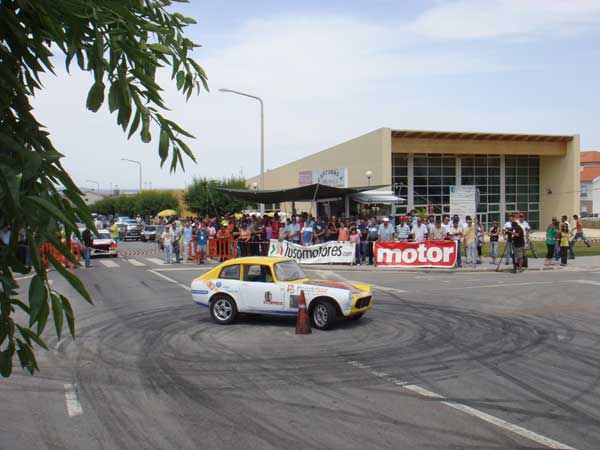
pixel 361 303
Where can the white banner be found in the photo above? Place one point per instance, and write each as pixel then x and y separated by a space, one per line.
pixel 328 252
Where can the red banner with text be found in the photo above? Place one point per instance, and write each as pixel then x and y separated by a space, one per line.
pixel 440 254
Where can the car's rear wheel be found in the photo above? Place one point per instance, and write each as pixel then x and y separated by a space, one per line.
pixel 323 315
pixel 223 310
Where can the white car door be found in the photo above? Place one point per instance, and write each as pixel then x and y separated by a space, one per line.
pixel 258 291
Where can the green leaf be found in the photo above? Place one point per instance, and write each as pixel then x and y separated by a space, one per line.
pixel 57 313
pixel 37 297
pixel 163 146
pixel 30 335
pixel 68 314
pixel 135 124
pixel 145 134
pixel 6 362
pixel 51 208
pixel 160 48
pixel 95 96
pixel 180 78
pixel 72 279
pixel 113 97
pixel 43 318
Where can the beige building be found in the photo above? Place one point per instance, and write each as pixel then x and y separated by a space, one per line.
pixel 534 174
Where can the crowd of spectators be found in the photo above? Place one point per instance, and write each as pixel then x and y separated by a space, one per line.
pixel 250 235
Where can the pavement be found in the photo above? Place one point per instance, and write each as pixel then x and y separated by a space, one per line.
pixel 444 360
pixel 591 263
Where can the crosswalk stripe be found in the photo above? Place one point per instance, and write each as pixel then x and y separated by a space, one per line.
pixel 160 262
pixel 135 262
pixel 108 263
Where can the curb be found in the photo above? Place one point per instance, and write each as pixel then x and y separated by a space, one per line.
pixel 433 270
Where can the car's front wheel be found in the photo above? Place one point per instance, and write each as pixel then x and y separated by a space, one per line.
pixel 223 310
pixel 323 315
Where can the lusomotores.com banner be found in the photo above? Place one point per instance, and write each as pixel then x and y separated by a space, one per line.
pixel 328 252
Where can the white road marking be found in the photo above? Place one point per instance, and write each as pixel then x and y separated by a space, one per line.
pixel 500 285
pixel 593 283
pixel 73 405
pixel 25 277
pixel 170 280
pixel 500 423
pixel 108 263
pixel 383 288
pixel 199 269
pixel 157 261
pixel 135 262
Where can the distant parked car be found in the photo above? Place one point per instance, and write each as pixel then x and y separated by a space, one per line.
pixel 148 233
pixel 129 229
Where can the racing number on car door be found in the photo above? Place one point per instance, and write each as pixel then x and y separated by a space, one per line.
pixel 258 289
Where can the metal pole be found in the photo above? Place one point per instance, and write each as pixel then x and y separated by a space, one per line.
pixel 262 154
pixel 139 164
pixel 262 140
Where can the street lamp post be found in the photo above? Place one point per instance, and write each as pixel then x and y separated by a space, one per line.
pixel 369 174
pixel 262 139
pixel 139 164
pixel 96 183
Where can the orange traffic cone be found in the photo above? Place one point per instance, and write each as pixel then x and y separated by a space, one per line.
pixel 302 321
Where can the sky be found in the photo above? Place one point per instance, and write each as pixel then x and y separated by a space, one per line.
pixel 331 71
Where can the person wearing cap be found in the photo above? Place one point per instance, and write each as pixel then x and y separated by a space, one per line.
pixel 403 230
pixel 517 236
pixel 507 229
pixel 385 232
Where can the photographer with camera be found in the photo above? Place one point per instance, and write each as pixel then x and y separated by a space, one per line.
pixel 516 243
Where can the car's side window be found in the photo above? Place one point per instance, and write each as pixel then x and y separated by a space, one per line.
pixel 258 273
pixel 230 272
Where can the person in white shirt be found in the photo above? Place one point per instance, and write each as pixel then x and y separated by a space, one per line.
pixel 167 240
pixel 526 228
pixel 508 256
pixel 456 234
pixel 419 231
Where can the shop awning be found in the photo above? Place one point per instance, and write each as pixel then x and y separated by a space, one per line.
pixel 378 197
pixel 299 194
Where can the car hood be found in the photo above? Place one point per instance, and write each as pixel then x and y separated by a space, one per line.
pixel 334 284
pixel 103 241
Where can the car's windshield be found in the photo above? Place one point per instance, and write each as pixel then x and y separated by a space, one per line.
pixel 288 271
pixel 102 235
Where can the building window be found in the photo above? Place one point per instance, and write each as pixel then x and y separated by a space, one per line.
pixel 483 171
pixel 400 179
pixel 522 178
pixel 433 176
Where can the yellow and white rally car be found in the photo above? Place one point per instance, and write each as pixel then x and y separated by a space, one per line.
pixel 270 285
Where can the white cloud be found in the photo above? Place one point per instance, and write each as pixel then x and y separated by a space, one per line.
pixel 466 19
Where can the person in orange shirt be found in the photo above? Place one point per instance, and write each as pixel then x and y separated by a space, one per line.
pixel 579 236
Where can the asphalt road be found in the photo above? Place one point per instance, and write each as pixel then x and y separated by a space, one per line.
pixel 443 361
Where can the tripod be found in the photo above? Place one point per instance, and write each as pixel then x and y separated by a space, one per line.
pixel 512 252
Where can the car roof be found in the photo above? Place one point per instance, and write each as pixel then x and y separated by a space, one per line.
pixel 256 260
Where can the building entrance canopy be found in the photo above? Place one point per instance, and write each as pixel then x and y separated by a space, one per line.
pixel 309 193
